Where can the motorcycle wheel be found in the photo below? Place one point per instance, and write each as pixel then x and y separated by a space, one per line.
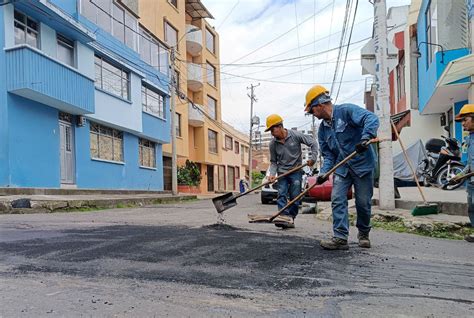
pixel 443 176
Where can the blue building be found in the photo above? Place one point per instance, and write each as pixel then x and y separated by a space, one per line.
pixel 84 96
pixel 445 62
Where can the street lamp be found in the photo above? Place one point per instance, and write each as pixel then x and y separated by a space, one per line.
pixel 418 54
pixel 173 88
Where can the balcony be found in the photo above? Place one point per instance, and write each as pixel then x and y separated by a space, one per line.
pixel 193 40
pixel 195 116
pixel 195 76
pixel 35 76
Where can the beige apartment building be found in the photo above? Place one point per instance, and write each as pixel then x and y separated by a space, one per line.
pixel 181 24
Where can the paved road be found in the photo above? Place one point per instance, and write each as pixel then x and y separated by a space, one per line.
pixel 173 260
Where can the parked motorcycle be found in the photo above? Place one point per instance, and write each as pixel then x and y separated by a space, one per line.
pixel 442 163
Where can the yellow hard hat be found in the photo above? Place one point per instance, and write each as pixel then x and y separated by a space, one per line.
pixel 314 92
pixel 273 120
pixel 465 111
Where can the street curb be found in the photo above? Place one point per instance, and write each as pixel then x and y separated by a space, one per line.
pixel 27 205
pixel 451 208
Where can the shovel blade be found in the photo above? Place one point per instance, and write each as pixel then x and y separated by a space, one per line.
pixel 224 202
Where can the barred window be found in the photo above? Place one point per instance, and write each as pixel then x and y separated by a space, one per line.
pixel 147 153
pixel 228 142
pixel 106 143
pixel 110 78
pixel 212 140
pixel 152 102
pixel 236 147
pixel 26 30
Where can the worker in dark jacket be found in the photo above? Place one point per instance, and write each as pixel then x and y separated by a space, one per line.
pixel 285 154
pixel 345 128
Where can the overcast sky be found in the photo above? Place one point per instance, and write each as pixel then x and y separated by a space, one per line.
pixel 246 25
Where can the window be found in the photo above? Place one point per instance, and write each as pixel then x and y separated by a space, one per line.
pixel 228 142
pixel 26 30
pixel 177 80
pixel 113 18
pixel 153 52
pixel 431 17
pixel 152 102
pixel 236 147
pixel 211 107
pixel 178 124
pixel 65 50
pixel 211 74
pixel 111 78
pixel 106 143
pixel 212 140
pixel 210 41
pixel 171 35
pixel 401 79
pixel 237 173
pixel 174 3
pixel 147 153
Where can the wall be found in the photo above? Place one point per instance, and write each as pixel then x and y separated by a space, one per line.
pixel 4 144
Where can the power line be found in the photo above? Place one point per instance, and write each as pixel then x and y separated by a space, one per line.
pixel 278 37
pixel 228 15
pixel 341 42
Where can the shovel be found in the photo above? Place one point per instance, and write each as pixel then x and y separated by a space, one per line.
pixel 270 218
pixel 229 200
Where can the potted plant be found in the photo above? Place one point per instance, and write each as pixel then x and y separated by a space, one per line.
pixel 189 177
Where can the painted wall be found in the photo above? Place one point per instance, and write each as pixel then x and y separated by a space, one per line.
pixel 459 133
pixel 4 153
pixel 33 144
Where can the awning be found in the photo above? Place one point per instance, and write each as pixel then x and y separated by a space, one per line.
pixel 197 10
pixel 457 70
pixel 400 120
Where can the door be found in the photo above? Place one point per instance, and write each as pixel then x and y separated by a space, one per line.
pixel 230 178
pixel 221 181
pixel 167 173
pixel 210 178
pixel 68 169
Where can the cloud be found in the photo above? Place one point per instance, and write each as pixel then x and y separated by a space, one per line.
pixel 253 24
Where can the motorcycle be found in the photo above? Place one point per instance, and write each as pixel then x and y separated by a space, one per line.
pixel 442 162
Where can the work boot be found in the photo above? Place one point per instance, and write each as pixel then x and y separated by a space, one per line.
pixel 335 243
pixel 364 240
pixel 284 222
pixel 469 238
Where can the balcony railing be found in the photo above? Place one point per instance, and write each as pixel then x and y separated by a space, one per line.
pixel 36 76
pixel 193 40
pixel 195 115
pixel 195 81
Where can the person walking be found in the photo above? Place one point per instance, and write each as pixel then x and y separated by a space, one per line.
pixel 285 154
pixel 466 117
pixel 345 128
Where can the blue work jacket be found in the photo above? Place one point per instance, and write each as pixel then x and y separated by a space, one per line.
pixel 338 137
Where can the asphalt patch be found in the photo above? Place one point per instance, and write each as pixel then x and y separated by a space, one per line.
pixel 221 227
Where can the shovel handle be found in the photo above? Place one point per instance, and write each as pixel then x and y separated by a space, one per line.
pixel 269 182
pixel 327 174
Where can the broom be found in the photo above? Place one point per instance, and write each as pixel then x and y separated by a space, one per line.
pixel 421 209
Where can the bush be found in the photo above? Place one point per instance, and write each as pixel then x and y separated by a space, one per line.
pixel 257 178
pixel 189 174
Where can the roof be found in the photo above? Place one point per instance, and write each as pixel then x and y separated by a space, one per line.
pixel 197 10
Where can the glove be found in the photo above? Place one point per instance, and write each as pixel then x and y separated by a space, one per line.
pixel 321 179
pixel 362 146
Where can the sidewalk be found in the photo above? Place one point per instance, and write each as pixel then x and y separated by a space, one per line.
pixel 74 202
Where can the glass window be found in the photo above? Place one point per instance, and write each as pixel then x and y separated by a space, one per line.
pixel 211 74
pixel 230 178
pixel 212 140
pixel 111 78
pixel 65 50
pixel 153 52
pixel 174 3
pixel 147 153
pixel 210 41
pixel 26 30
pixel 118 22
pixel 228 142
pixel 212 107
pixel 236 147
pixel 106 143
pixel 152 102
pixel 178 124
pixel 171 35
pixel 431 17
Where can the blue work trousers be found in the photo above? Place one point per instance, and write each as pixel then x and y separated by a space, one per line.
pixel 470 203
pixel 289 187
pixel 364 189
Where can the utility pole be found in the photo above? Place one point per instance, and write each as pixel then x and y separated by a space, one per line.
pixel 252 100
pixel 174 157
pixel 382 107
